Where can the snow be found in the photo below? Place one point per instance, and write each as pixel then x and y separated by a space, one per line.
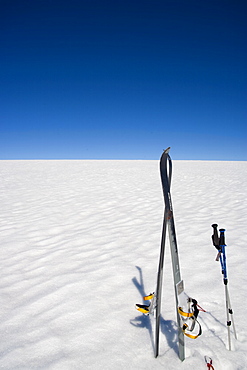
pixel 80 246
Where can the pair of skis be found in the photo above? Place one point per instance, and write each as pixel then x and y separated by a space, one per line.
pixel 168 223
pixel 186 317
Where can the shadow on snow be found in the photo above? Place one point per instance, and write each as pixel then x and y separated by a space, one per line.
pixel 167 327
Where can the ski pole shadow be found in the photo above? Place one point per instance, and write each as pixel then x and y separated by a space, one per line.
pixel 142 321
pixel 207 326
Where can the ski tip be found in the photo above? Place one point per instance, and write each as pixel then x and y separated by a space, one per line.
pixel 165 153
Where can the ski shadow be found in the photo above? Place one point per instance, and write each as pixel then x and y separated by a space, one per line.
pixel 170 330
pixel 139 285
pixel 142 321
pixel 167 327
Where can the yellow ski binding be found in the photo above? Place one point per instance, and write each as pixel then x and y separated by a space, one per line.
pixel 145 308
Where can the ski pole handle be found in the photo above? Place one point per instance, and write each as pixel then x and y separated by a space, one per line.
pixel 222 237
pixel 215 237
pixel 223 254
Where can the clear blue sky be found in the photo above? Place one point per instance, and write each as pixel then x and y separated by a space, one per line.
pixel 123 79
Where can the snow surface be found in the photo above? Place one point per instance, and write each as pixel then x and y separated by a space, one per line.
pixel 80 246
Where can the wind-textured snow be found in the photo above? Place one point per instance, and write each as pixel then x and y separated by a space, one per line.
pixel 80 244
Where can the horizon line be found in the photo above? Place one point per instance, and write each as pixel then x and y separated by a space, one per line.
pixel 117 159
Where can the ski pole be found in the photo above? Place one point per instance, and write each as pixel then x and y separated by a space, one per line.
pixel 229 310
pixel 225 281
pixel 219 243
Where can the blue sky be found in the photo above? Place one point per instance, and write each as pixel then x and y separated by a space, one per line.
pixel 123 79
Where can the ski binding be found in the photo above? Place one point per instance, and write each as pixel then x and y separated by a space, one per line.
pixel 147 309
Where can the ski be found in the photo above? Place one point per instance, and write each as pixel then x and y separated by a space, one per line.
pixel 186 308
pixel 166 175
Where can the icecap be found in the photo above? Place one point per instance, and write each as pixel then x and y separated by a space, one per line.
pixel 80 245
